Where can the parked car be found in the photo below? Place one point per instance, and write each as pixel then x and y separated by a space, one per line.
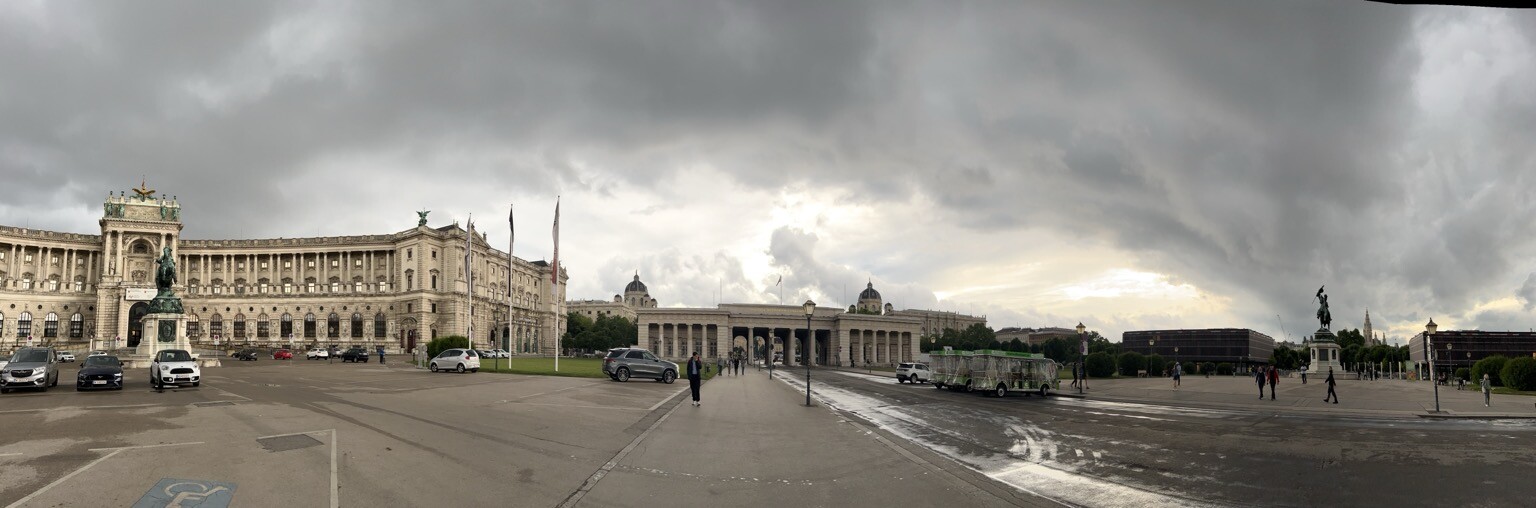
pixel 317 354
pixel 97 353
pixel 457 360
pixel 100 372
pixel 282 354
pixel 174 367
pixel 913 373
pixel 502 353
pixel 246 355
pixel 625 363
pixel 66 357
pixel 486 353
pixel 30 367
pixel 354 355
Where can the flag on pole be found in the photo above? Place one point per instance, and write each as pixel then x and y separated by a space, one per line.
pixel 469 280
pixel 780 281
pixel 554 272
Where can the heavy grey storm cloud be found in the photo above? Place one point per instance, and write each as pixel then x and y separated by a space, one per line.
pixel 1124 164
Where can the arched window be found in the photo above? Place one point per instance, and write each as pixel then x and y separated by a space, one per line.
pixel 24 325
pixel 239 326
pixel 194 327
pixel 51 326
pixel 309 326
pixel 410 280
pixel 263 326
pixel 333 326
pixel 357 325
pixel 286 327
pixel 76 326
pixel 434 279
pixel 216 327
pixel 379 326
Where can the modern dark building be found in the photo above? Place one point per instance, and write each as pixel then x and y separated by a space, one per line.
pixel 1235 345
pixel 1462 348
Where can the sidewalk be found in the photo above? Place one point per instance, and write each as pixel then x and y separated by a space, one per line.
pixel 1388 398
pixel 754 443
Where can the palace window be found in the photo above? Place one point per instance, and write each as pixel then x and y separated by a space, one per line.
pixel 333 326
pixel 286 328
pixel 287 287
pixel 379 325
pixel 407 255
pixel 309 287
pixel 335 287
pixel 335 264
pixel 287 264
pixel 434 281
pixel 194 330
pixel 309 326
pixel 53 284
pixel 26 282
pixel 51 326
pixel 29 258
pixel 311 263
pixel 357 325
pixel 55 261
pixel 263 288
pixel 357 286
pixel 2 324
pixel 24 325
pixel 383 286
pixel 239 326
pixel 79 286
pixel 216 327
pixel 263 265
pixel 434 253
pixel 356 263
pixel 76 326
pixel 263 327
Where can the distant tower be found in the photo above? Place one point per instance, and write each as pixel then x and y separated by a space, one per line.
pixel 637 296
pixel 1370 338
pixel 869 299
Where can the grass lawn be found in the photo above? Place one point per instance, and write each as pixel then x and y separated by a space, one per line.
pixel 1510 391
pixel 569 367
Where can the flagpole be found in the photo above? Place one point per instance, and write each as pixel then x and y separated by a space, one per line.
pixel 554 280
pixel 510 238
pixel 469 282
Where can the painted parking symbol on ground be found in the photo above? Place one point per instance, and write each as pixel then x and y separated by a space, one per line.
pixel 178 493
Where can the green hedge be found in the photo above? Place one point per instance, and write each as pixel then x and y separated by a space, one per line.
pixel 1208 368
pixel 1519 373
pixel 1156 364
pixel 1493 366
pixel 1130 362
pixel 1099 365
pixel 441 343
pixel 1224 369
pixel 1464 373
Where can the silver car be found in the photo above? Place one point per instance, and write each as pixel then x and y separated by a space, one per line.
pixel 624 363
pixel 32 367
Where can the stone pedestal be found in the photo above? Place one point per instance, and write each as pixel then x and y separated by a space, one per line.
pixel 1325 355
pixel 163 331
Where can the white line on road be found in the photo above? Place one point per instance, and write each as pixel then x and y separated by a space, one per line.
pixel 119 448
pixel 125 406
pixel 665 399
pixel 9 454
pixel 29 497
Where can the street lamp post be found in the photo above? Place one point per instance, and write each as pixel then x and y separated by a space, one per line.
pixel 810 343
pixel 1429 351
pixel 1082 341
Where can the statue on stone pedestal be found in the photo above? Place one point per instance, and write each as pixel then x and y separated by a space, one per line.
pixel 165 301
pixel 1323 316
pixel 422 217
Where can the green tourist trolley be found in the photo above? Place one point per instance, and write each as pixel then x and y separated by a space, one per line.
pixel 995 372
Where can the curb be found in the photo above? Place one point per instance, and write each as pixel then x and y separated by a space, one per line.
pixel 1476 416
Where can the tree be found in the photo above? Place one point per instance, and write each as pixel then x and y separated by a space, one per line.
pixel 439 344
pixel 1099 365
pixel 1130 362
pixel 575 324
pixel 1349 356
pixel 1346 338
pixel 1519 373
pixel 1156 364
pixel 1493 366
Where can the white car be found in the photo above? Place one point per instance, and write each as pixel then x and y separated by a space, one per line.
pixel 913 373
pixel 66 356
pixel 457 360
pixel 317 354
pixel 502 353
pixel 174 367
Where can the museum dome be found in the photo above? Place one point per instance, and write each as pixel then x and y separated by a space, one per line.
pixel 636 286
pixel 869 293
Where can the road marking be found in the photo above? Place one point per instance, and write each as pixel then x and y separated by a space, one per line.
pixel 125 406
pixel 9 454
pixel 605 408
pixel 120 448
pixel 608 467
pixel 667 398
pixel 55 483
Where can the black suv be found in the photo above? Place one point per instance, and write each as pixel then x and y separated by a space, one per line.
pixel 356 354
pixel 246 355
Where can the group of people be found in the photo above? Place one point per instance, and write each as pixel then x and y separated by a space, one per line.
pixel 1271 375
pixel 697 368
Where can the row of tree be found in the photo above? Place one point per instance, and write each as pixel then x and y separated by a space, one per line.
pixel 606 332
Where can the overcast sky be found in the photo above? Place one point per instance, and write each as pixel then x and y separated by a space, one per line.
pixel 1129 165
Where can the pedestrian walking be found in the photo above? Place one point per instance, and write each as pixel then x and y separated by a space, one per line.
pixel 1258 376
pixel 381 355
pixel 1177 369
pixel 695 368
pixel 1274 378
pixel 1330 382
pixel 1487 391
pixel 1074 375
pixel 720 364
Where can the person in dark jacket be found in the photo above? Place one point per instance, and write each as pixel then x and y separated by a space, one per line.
pixel 695 372
pixel 381 355
pixel 1274 377
pixel 1330 384
pixel 1258 376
